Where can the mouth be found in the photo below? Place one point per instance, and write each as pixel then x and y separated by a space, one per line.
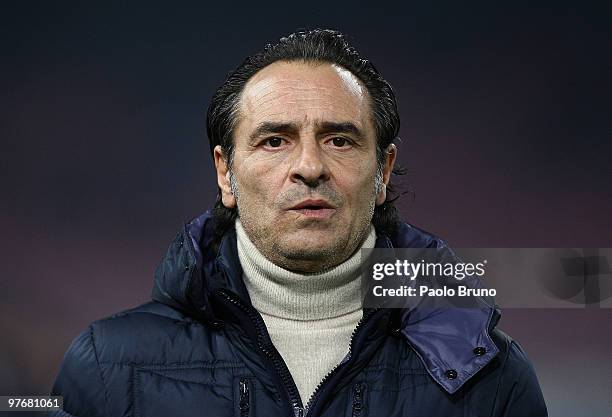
pixel 315 209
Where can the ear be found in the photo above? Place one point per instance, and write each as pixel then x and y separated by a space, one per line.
pixel 223 178
pixel 391 153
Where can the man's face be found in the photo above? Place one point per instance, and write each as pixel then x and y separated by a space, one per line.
pixel 304 168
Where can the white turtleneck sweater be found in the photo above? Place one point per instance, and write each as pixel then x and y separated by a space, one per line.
pixel 310 317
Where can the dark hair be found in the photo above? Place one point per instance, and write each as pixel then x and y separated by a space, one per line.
pixel 317 45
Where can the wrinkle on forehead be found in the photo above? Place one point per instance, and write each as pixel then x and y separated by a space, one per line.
pixel 301 90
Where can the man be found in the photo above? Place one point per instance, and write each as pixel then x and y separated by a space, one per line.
pixel 257 305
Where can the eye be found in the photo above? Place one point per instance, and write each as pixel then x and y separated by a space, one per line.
pixel 273 142
pixel 340 142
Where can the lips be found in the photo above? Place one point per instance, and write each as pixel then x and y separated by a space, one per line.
pixel 314 208
pixel 312 205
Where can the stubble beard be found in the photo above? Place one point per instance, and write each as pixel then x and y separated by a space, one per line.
pixel 307 261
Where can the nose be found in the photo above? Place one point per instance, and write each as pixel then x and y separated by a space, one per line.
pixel 309 165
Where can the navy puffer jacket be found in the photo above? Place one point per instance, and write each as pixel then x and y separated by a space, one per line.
pixel 199 348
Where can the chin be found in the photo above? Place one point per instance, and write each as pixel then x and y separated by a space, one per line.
pixel 314 238
pixel 309 249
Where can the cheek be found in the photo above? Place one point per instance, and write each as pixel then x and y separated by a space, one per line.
pixel 260 181
pixel 358 187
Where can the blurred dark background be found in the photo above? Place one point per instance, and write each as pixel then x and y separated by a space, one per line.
pixel 506 133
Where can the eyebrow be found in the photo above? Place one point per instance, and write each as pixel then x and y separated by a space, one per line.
pixel 342 127
pixel 266 128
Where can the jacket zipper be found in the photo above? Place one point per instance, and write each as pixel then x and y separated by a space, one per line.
pixel 367 315
pixel 299 410
pixel 244 401
pixel 271 353
pixel 357 400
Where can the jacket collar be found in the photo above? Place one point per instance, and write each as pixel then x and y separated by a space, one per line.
pixel 444 339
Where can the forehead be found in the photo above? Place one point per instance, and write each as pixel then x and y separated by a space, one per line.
pixel 305 93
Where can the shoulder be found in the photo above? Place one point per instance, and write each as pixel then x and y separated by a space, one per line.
pixel 138 335
pixel 140 319
pixel 513 359
pixel 513 389
pixel 150 312
pixel 151 334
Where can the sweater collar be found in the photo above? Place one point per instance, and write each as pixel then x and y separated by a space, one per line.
pixel 282 293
